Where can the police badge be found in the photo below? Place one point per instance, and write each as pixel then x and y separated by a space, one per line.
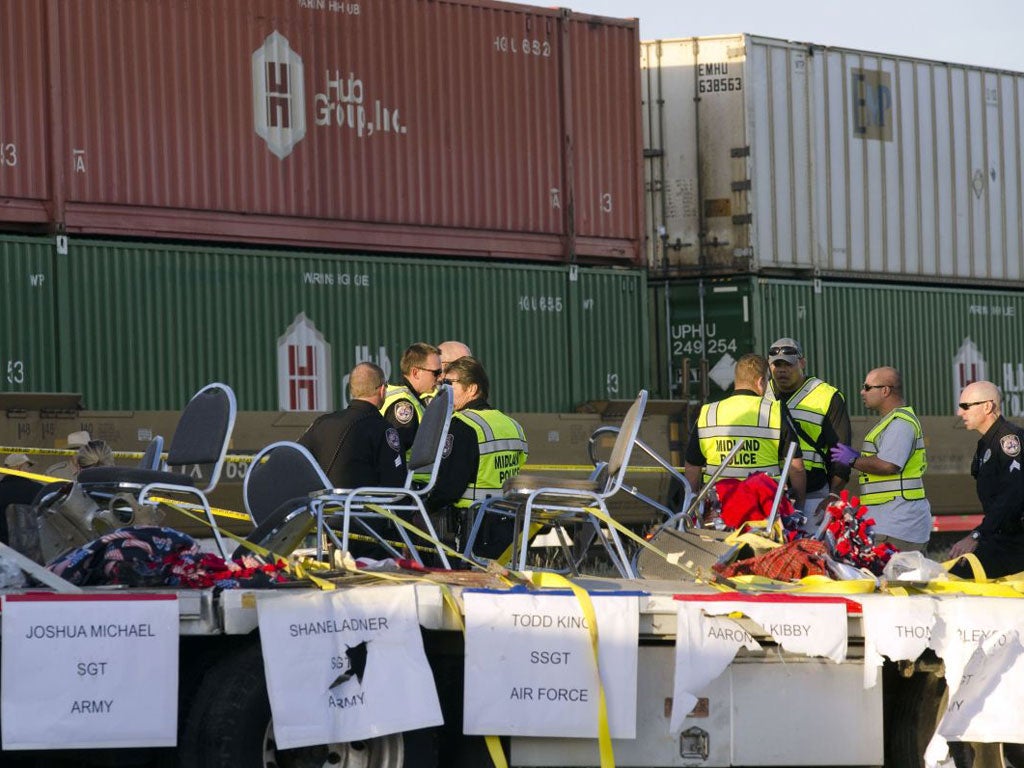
pixel 393 439
pixel 1010 444
pixel 448 441
pixel 403 411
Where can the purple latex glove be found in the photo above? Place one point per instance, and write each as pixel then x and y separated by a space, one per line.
pixel 844 454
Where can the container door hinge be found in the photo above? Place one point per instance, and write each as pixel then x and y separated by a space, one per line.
pixel 739 152
pixel 741 186
pixel 743 218
pixel 62 245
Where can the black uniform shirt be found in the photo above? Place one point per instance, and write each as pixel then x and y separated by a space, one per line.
pixel 402 415
pixel 356 447
pixel 460 462
pixel 998 468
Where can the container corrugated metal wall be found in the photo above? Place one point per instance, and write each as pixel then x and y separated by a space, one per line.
pixel 28 311
pixel 772 155
pixel 473 128
pixel 280 325
pixel 939 338
pixel 24 112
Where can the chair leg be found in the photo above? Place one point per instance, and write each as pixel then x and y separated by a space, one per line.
pixel 221 546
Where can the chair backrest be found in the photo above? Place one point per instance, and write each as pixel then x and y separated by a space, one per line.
pixel 152 457
pixel 425 454
pixel 282 471
pixel 618 461
pixel 204 431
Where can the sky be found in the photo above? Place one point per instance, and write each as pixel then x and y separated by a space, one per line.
pixel 984 33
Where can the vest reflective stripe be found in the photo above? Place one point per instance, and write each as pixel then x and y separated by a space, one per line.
pixel 503 450
pixel 878 489
pixel 808 406
pixel 720 425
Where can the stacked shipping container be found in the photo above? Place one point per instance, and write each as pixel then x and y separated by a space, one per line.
pixel 449 127
pixel 768 155
pixel 142 326
pixel 776 160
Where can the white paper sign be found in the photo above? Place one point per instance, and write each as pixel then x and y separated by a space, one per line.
pixel 894 626
pixel 89 671
pixel 978 638
pixel 530 667
pixel 346 665
pixel 705 646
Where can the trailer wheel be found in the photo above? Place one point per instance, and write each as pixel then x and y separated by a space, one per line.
pixel 912 710
pixel 229 726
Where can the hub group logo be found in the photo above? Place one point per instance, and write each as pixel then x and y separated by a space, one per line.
pixel 279 102
pixel 279 108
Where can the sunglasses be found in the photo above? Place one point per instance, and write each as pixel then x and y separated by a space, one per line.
pixel 783 351
pixel 865 387
pixel 435 372
pixel 968 406
pixel 449 382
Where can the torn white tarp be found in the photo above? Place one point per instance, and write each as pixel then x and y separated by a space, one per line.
pixel 894 626
pixel 707 641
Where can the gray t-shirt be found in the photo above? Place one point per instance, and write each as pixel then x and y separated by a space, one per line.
pixel 907 519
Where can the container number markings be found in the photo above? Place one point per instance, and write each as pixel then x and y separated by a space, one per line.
pixel 8 155
pixel 696 346
pixel 525 45
pixel 540 303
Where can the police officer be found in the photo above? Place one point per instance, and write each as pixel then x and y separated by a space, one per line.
pixel 820 419
pixel 449 352
pixel 746 414
pixel 403 404
pixel 892 462
pixel 485 447
pixel 999 541
pixel 357 447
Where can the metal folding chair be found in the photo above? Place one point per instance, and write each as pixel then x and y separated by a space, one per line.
pixel 537 502
pixel 200 439
pixel 359 506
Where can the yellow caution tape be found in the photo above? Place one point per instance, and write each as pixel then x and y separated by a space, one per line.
pixel 604 739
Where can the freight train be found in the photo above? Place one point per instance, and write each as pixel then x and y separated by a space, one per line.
pixel 267 192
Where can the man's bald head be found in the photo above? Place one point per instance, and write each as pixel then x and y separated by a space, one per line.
pixel 365 381
pixel 982 390
pixel 451 351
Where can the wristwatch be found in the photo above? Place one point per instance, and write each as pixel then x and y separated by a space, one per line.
pixel 975 535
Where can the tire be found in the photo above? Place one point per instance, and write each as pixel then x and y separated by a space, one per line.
pixel 912 708
pixel 229 726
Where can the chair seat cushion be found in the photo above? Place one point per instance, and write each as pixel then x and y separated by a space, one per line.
pixel 132 475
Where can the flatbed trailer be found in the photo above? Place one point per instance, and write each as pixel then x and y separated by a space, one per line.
pixel 771 705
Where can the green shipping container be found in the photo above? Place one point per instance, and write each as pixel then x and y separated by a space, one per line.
pixel 28 338
pixel 939 338
pixel 147 324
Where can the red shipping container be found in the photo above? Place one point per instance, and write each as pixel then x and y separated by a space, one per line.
pixel 401 125
pixel 25 140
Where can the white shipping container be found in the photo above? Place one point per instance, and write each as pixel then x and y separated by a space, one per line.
pixel 768 155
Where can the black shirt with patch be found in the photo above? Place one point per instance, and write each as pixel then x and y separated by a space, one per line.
pixel 357 447
pixel 998 469
pixel 999 477
pixel 402 415
pixel 459 462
